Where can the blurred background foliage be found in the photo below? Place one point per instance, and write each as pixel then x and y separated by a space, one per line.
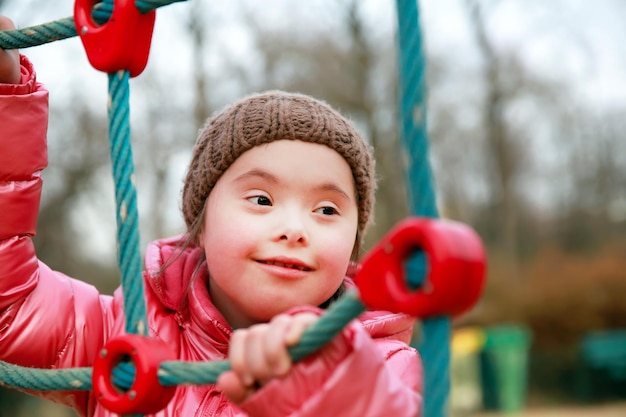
pixel 525 121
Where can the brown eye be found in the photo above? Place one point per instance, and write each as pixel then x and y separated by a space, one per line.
pixel 261 200
pixel 327 211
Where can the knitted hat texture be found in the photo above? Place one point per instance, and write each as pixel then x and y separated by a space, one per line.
pixel 267 117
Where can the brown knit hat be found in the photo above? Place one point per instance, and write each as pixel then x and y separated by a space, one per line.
pixel 264 118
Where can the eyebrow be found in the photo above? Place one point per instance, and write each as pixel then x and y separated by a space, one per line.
pixel 260 173
pixel 257 173
pixel 329 186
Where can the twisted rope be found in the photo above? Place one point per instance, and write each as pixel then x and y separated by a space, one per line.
pixel 129 253
pixel 65 28
pixel 171 373
pixel 434 346
pixel 19 377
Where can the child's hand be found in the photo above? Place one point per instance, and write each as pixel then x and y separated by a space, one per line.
pixel 259 353
pixel 9 60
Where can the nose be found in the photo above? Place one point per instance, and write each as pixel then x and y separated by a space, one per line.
pixel 292 228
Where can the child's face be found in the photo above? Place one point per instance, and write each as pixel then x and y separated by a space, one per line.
pixel 279 229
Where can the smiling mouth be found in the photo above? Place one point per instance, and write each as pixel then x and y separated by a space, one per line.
pixel 286 265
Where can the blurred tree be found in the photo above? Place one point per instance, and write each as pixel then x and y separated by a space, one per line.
pixel 198 30
pixel 162 131
pixel 77 154
pixel 582 176
pixel 592 201
pixel 505 155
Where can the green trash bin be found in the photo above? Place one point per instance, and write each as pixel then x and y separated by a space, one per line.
pixel 504 367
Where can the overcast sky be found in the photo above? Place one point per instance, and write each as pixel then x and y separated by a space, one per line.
pixel 575 41
pixel 578 40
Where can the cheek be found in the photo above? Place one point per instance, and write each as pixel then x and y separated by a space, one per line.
pixel 224 248
pixel 336 255
pixel 225 238
pixel 222 237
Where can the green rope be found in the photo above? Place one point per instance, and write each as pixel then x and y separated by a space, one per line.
pixel 171 373
pixel 338 315
pixel 14 376
pixel 65 28
pixel 129 253
pixel 435 344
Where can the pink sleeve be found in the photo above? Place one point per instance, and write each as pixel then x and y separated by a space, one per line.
pixel 354 375
pixel 42 312
pixel 23 155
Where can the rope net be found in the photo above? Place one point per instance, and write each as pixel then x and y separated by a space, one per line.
pixel 436 331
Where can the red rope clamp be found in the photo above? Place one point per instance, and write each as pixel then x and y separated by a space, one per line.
pixel 122 43
pixel 146 395
pixel 456 269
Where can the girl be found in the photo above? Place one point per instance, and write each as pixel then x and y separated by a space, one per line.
pixel 277 197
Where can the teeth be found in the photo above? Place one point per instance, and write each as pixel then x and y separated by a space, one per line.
pixel 284 265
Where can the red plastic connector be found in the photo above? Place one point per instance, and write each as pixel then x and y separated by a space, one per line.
pixel 456 269
pixel 146 395
pixel 122 43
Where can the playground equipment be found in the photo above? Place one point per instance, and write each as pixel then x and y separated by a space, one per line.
pixel 116 35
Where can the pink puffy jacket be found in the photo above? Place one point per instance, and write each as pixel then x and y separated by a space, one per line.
pixel 48 320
